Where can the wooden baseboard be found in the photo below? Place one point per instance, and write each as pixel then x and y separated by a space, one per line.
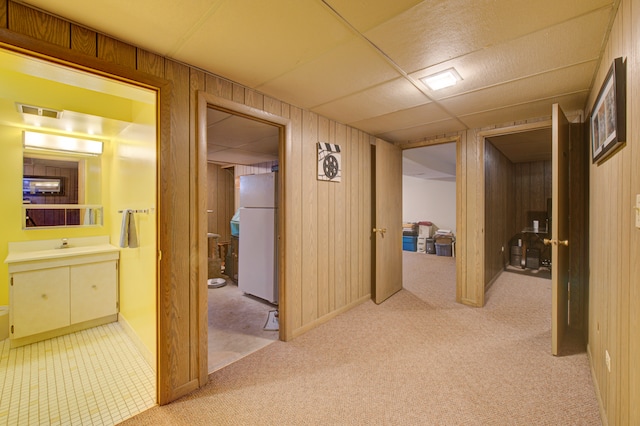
pixel 329 316
pixel 603 413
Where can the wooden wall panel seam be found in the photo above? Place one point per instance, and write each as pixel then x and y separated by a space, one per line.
pixel 3 13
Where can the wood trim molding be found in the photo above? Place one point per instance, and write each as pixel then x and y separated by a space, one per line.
pixel 461 191
pixel 206 100
pixel 429 142
pixel 518 128
pixel 481 136
pixel 25 45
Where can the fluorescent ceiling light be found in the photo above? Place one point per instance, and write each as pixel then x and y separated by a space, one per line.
pixel 36 140
pixel 442 79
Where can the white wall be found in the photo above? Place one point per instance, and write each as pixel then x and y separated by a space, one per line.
pixel 431 200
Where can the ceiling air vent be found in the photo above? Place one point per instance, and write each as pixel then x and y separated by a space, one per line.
pixel 42 112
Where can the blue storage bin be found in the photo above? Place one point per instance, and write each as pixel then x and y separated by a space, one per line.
pixel 409 243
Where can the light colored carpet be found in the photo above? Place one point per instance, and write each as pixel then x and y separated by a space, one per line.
pixel 418 358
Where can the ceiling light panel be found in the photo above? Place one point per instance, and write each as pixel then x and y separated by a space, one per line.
pixel 441 80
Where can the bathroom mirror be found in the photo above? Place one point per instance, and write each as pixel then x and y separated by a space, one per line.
pixel 61 191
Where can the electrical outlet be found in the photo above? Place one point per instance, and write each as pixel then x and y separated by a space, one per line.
pixel 607 360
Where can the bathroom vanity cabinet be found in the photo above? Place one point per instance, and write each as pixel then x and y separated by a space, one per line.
pixel 58 292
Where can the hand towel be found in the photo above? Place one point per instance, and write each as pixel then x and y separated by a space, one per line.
pixel 124 229
pixel 132 233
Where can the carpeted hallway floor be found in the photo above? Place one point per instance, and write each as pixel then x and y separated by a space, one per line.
pixel 418 358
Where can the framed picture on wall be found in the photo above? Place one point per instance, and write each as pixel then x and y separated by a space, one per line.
pixel 329 162
pixel 609 115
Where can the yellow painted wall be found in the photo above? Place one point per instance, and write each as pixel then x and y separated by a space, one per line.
pixel 123 177
pixel 132 168
pixel 11 219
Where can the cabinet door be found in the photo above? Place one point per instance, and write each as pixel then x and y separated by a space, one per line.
pixel 94 291
pixel 39 301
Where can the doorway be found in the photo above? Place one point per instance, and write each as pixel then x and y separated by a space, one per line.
pixel 429 217
pixel 242 151
pixel 84 359
pixel 518 189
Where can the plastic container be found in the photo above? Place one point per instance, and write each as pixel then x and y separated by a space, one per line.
pixel 235 224
pixel 430 246
pixel 409 243
pixel 443 249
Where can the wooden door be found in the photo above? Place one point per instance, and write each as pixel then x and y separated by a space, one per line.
pixel 387 231
pixel 559 228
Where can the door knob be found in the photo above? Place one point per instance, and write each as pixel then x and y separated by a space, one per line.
pixel 547 242
pixel 380 230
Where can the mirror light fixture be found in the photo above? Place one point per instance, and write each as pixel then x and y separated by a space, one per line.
pixel 47 141
pixel 442 79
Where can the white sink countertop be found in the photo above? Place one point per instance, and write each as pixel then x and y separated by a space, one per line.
pixel 28 251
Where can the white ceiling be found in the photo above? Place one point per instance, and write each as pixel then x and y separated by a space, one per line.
pixel 437 162
pixel 232 139
pixel 359 62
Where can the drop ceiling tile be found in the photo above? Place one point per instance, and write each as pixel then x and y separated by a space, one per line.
pixel 541 86
pixel 365 15
pixel 254 42
pixel 234 133
pixel 395 95
pixel 347 69
pixel 267 145
pixel 428 113
pixel 423 131
pixel 534 145
pixel 572 104
pixel 433 33
pixel 438 158
pixel 526 56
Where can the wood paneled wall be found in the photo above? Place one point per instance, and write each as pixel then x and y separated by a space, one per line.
pixel 327 240
pixel 516 194
pixel 532 189
pixel 221 199
pixel 614 245
pixel 499 211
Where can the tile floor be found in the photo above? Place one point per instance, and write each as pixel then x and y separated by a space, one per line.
pixel 92 377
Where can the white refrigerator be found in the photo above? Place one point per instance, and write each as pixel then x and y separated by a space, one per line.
pixel 257 260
